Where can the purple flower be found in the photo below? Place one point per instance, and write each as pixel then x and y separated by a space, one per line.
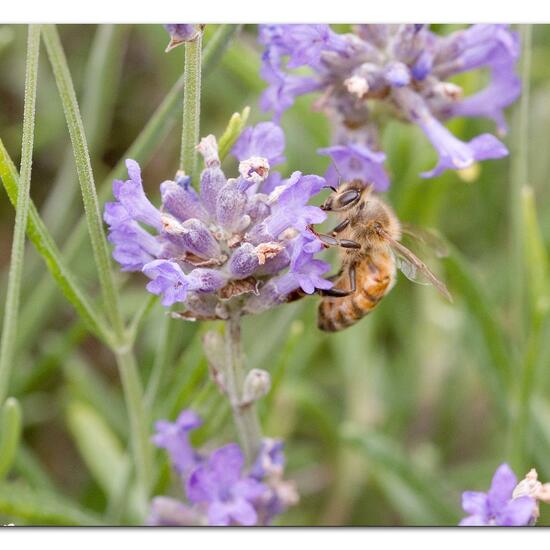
pixel 265 140
pixel 401 69
pixel 356 162
pixel 453 153
pixel 197 244
pixel 174 437
pixel 497 506
pixel 220 486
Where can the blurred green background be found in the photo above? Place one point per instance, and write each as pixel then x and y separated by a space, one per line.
pixel 385 423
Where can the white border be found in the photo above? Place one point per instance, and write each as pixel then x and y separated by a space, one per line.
pixel 250 11
pixel 273 538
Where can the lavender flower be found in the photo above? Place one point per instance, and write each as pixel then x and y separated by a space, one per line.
pixel 220 486
pixel 402 69
pixel 498 506
pixel 219 489
pixel 227 242
pixel 174 437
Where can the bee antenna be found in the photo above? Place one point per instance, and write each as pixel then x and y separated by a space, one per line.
pixel 329 187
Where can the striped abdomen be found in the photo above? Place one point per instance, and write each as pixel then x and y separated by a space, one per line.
pixel 374 278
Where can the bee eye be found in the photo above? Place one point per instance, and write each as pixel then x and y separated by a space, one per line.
pixel 348 197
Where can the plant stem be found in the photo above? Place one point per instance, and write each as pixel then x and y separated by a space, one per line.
pixel 11 312
pixel 138 416
pixel 191 106
pixel 246 417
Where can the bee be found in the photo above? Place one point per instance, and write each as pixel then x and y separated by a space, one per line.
pixel 368 235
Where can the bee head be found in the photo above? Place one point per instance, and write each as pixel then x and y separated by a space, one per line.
pixel 346 196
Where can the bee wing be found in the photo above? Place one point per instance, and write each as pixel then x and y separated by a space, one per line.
pixel 427 237
pixel 411 265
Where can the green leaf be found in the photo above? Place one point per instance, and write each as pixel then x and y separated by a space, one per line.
pixel 87 385
pixel 10 433
pixel 231 134
pixel 40 507
pixel 421 497
pixel 99 447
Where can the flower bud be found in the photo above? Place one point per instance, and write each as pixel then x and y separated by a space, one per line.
pixel 231 205
pixel 256 385
pixel 193 235
pixel 181 33
pixel 181 201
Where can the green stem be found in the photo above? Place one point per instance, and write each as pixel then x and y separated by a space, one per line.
pixel 9 331
pixel 191 106
pixel 133 396
pixel 246 417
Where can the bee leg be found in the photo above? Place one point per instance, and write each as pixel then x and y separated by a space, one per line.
pixel 340 227
pixel 329 240
pixel 340 292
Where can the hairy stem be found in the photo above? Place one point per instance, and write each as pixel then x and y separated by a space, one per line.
pixel 246 417
pixel 9 330
pixel 191 106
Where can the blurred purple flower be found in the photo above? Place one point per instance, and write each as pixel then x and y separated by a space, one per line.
pixel 199 243
pixel 392 68
pixel 220 486
pixel 497 506
pixel 169 512
pixel 174 437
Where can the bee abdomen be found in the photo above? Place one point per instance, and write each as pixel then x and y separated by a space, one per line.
pixel 372 285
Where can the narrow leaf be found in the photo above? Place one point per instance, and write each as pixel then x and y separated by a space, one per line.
pixel 10 433
pixel 46 247
pixel 231 134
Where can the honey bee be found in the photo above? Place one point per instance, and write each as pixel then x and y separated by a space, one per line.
pixel 368 235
